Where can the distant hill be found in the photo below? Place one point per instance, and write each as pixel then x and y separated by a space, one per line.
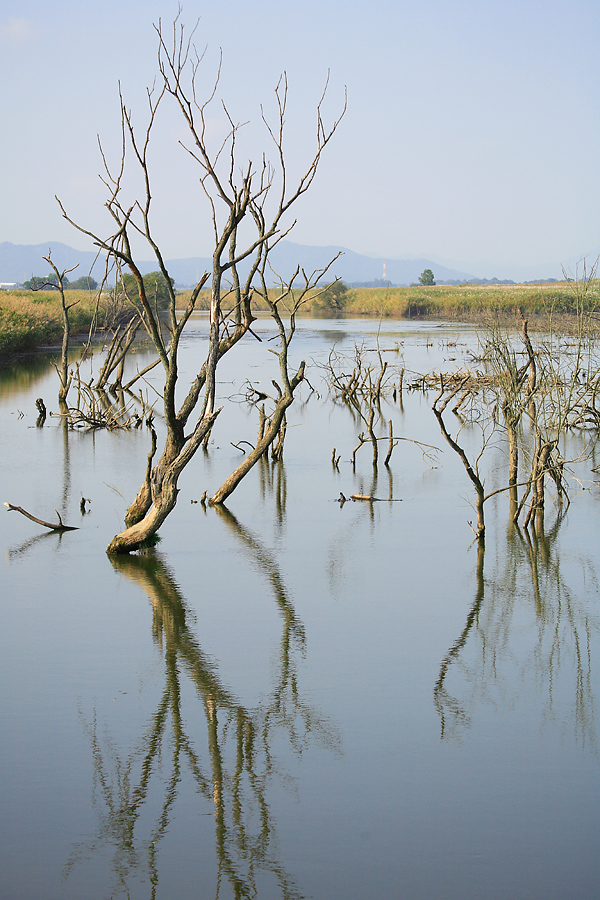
pixel 353 267
pixel 18 262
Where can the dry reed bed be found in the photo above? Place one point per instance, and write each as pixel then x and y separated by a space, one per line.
pixel 474 302
pixel 29 320
pixel 459 302
pixel 33 319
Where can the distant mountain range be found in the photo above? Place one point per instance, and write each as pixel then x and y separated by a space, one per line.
pixel 18 262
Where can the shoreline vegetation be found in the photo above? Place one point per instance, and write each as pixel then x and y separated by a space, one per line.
pixel 32 320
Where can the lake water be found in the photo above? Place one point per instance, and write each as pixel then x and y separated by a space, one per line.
pixel 293 698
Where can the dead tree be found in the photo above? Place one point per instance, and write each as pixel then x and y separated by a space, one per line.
pixel 362 391
pixel 257 197
pixel 121 342
pixel 489 431
pixel 540 398
pixel 439 408
pixel 549 391
pixel 508 381
pixel 273 427
pixel 63 369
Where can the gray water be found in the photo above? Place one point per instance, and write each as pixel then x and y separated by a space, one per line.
pixel 293 697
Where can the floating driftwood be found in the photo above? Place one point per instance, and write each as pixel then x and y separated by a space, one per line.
pixel 367 497
pixel 51 525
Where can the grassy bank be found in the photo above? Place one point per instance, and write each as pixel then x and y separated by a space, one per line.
pixel 474 303
pixel 30 320
pixel 471 302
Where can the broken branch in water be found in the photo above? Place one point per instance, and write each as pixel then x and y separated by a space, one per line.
pixel 355 497
pixel 239 447
pixel 367 497
pixel 51 525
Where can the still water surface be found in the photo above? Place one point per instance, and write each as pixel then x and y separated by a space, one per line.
pixel 293 698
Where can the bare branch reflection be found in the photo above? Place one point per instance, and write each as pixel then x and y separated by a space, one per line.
pixel 285 707
pixel 526 623
pixel 21 549
pixel 232 766
pixel 452 714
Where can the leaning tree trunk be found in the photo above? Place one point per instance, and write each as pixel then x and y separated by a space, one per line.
pixel 270 433
pixel 164 491
pixel 471 472
pixel 142 504
pixel 65 380
pixel 175 439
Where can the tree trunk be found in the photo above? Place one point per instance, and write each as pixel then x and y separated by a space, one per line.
pixel 164 491
pixel 270 433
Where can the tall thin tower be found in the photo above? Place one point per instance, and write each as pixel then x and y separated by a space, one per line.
pixel 384 272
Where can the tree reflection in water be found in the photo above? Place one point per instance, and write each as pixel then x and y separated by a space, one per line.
pixel 238 764
pixel 525 621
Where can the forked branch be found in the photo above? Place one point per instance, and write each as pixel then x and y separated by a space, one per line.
pixel 53 526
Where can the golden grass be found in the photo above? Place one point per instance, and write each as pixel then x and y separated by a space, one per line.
pixel 470 302
pixel 540 303
pixel 29 319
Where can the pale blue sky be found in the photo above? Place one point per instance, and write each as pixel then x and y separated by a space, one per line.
pixel 472 134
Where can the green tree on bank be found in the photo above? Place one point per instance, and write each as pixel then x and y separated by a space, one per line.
pixel 333 299
pixel 155 285
pixel 85 283
pixel 426 277
pixel 44 282
pixel 50 283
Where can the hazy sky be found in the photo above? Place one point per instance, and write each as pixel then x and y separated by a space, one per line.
pixel 472 134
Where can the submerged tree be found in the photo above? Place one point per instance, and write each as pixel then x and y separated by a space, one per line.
pixel 249 206
pixel 528 400
pixel 58 281
pixel 552 644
